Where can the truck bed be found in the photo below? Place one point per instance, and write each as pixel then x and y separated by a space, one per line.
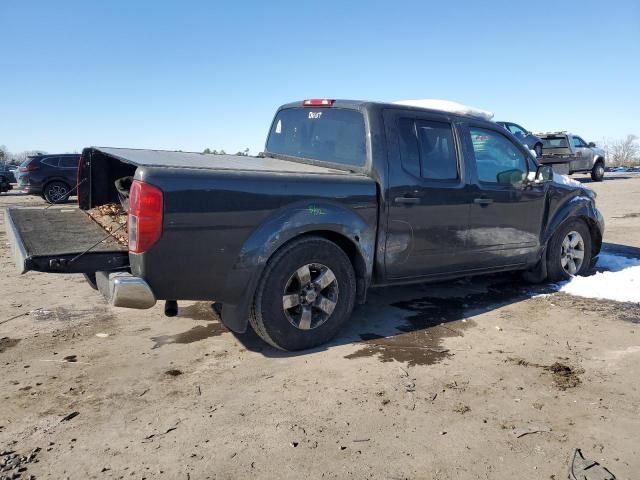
pixel 61 240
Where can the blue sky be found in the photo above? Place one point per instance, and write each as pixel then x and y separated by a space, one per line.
pixel 194 74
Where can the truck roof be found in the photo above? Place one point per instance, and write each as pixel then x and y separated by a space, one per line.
pixel 360 104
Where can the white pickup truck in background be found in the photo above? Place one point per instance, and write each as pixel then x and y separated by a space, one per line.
pixel 584 157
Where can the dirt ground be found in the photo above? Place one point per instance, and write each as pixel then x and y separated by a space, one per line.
pixel 427 382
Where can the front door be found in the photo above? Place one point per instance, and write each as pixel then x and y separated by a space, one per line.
pixel 583 153
pixel 507 212
pixel 428 199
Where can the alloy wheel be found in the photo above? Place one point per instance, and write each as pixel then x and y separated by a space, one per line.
pixel 310 296
pixel 572 253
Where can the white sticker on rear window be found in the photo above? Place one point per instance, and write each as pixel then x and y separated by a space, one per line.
pixel 279 126
pixel 315 115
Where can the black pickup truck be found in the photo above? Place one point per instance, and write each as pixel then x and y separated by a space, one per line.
pixel 347 195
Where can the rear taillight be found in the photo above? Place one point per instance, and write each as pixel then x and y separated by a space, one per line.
pixel 145 216
pixel 29 168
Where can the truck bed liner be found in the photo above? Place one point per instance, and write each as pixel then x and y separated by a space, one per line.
pixel 55 239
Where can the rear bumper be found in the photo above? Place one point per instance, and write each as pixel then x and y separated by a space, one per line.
pixel 121 289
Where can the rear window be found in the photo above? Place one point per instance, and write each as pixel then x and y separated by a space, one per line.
pixel 51 161
pixel 68 162
pixel 334 135
pixel 555 142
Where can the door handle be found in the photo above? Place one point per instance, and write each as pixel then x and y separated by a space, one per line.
pixel 483 202
pixel 407 200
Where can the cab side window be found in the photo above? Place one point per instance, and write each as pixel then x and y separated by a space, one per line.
pixel 427 149
pixel 498 160
pixel 578 142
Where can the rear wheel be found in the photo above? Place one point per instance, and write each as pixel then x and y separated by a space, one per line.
pixel 56 192
pixel 569 252
pixel 307 292
pixel 597 172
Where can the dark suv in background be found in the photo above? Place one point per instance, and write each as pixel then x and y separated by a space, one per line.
pixel 51 176
pixel 525 136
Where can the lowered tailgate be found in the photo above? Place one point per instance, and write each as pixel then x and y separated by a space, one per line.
pixel 61 240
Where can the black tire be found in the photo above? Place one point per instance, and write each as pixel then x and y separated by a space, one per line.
pixel 555 252
pixel 538 149
pixel 268 316
pixel 56 192
pixel 597 172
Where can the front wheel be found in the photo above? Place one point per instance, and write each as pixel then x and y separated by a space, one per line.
pixel 597 172
pixel 56 192
pixel 569 252
pixel 307 292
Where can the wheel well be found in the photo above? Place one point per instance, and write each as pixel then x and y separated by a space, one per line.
pixel 598 160
pixel 351 250
pixel 596 237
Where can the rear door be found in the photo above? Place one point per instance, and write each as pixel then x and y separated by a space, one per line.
pixel 506 214
pixel 69 168
pixel 428 199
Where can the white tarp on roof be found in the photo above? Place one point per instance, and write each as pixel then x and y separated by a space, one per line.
pixel 447 106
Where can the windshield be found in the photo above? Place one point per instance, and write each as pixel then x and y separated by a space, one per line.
pixel 333 135
pixel 555 142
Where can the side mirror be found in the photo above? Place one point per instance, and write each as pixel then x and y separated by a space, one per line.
pixel 591 144
pixel 544 173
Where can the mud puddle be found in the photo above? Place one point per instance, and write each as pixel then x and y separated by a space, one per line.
pixel 434 318
pixel 195 334
pixel 198 311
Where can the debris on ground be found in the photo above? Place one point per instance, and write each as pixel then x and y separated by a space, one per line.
pixel 13 465
pixel 582 469
pixel 461 408
pixel 70 416
pixel 156 435
pixel 522 431
pixel 564 376
pixel 174 372
pixel 6 343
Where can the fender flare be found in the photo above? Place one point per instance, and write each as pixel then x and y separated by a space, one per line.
pixel 284 225
pixel 578 207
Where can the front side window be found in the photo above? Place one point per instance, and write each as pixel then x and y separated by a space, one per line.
pixel 334 135
pixel 578 142
pixel 516 130
pixel 498 160
pixel 427 149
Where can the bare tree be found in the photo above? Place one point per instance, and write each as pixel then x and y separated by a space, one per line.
pixel 624 152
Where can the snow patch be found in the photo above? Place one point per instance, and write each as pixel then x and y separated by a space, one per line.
pixel 619 280
pixel 564 180
pixel 447 106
